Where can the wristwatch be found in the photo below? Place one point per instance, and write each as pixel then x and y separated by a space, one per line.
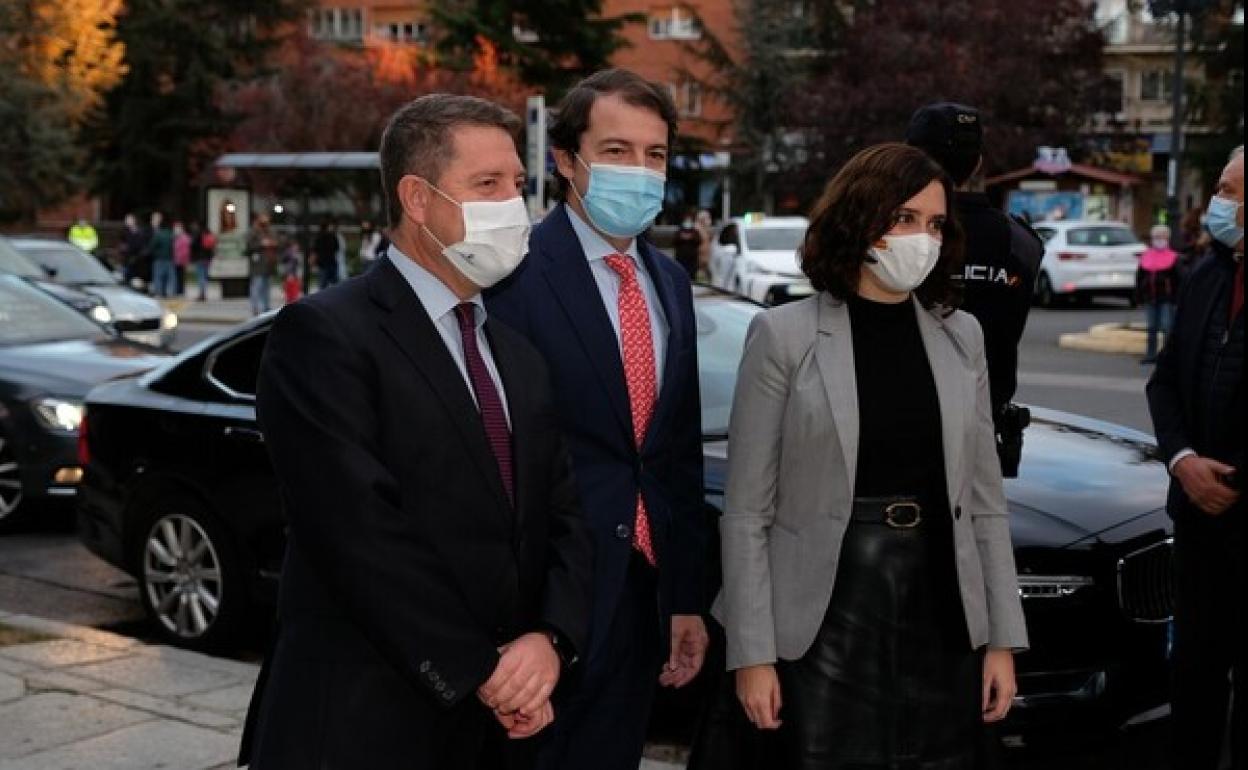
pixel 567 656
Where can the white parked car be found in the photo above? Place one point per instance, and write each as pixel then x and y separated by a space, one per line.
pixel 1085 259
pixel 134 316
pixel 756 256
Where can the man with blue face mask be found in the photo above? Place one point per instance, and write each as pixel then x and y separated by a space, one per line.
pixel 614 319
pixel 1196 396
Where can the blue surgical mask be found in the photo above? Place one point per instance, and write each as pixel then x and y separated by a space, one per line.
pixel 1220 221
pixel 622 201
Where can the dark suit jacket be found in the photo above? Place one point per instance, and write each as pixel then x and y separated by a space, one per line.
pixel 1175 396
pixel 406 566
pixel 554 302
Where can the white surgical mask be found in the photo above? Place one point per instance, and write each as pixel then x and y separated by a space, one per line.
pixel 496 237
pixel 905 261
pixel 1161 243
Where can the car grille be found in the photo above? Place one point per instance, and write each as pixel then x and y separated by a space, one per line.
pixel 138 325
pixel 1146 583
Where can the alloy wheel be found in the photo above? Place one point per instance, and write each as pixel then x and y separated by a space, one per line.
pixel 10 480
pixel 182 576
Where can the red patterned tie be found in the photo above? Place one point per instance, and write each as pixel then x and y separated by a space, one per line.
pixel 488 400
pixel 643 389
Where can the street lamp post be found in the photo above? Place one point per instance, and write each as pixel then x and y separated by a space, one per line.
pixel 1183 9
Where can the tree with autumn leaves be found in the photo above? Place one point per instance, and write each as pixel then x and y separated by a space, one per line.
pixel 57 62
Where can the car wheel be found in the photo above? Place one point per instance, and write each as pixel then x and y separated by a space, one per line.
pixel 10 480
pixel 190 576
pixel 1044 291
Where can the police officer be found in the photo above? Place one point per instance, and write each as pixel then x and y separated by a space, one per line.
pixel 1002 257
pixel 83 235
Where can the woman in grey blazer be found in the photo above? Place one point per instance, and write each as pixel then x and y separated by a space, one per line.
pixel 870 600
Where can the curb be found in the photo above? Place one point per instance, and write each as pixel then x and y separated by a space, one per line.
pixel 1115 338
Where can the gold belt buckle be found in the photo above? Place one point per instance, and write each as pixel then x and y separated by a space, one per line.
pixel 911 521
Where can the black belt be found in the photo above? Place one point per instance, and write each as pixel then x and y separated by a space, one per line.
pixel 895 512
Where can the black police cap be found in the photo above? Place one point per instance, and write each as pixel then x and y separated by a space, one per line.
pixel 946 129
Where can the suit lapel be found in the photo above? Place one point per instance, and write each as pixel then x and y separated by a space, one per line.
pixel 573 285
pixel 949 372
pixel 834 355
pixel 666 291
pixel 408 325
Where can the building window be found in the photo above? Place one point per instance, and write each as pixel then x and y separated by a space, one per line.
pixel 403 32
pixel 1156 86
pixel 342 25
pixel 687 97
pixel 1113 92
pixel 674 23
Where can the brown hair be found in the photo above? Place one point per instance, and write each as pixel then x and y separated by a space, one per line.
pixel 858 208
pixel 418 139
pixel 571 118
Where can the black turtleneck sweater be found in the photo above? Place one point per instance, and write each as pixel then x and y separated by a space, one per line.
pixel 900 445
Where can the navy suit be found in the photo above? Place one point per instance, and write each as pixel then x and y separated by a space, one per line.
pixel 554 301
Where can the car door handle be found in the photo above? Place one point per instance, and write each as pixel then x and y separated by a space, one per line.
pixel 250 435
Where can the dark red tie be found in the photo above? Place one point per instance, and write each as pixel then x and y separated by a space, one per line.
pixel 488 400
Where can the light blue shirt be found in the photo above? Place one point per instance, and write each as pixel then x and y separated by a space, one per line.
pixel 596 250
pixel 440 303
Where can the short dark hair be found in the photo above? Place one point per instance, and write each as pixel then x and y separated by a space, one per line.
pixel 858 208
pixel 418 139
pixel 571 118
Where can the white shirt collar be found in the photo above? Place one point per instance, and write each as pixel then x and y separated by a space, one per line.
pixel 593 244
pixel 437 298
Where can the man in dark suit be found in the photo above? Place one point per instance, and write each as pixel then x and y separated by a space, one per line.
pixel 1196 396
pixel 614 320
pixel 437 574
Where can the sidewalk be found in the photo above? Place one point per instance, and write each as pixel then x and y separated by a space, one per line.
pixel 1128 339
pixel 77 698
pixel 217 310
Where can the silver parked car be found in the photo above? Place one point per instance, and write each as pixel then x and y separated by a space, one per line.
pixel 135 316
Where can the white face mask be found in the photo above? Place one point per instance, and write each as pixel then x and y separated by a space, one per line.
pixel 1161 243
pixel 496 238
pixel 906 261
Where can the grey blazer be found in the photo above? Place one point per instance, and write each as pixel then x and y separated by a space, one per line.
pixel 792 461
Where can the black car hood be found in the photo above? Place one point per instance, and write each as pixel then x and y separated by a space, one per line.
pixel 1081 478
pixel 72 367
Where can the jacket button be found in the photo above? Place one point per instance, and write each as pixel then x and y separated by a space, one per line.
pixel 440 686
pixel 448 695
pixel 623 532
pixel 425 666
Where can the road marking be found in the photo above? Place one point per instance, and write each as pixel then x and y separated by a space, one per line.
pixel 1083 382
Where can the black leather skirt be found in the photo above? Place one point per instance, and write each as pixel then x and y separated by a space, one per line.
pixel 891 680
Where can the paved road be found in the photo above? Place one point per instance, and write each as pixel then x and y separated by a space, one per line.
pixel 44 571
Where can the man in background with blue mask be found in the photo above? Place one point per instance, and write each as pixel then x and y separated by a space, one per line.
pixel 614 319
pixel 436 582
pixel 1196 396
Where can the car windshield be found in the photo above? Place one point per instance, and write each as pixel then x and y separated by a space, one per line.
pixel 722 324
pixel 1101 236
pixel 71 264
pixel 774 238
pixel 14 263
pixel 27 315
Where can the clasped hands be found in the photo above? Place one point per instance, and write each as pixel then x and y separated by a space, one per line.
pixel 518 692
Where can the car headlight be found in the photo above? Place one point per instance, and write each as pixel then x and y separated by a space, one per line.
pixel 101 314
pixel 169 321
pixel 59 413
pixel 1051 586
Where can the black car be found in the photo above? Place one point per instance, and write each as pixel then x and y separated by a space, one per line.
pixel 50 356
pixel 180 493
